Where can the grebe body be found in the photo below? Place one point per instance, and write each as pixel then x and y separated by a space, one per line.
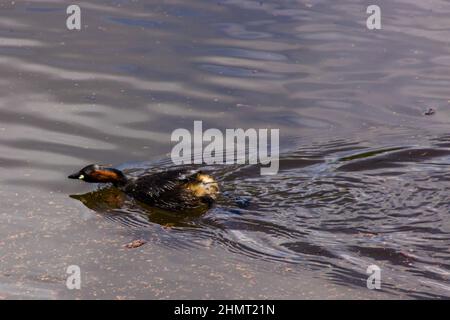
pixel 173 190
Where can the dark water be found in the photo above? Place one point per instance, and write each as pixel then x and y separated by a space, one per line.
pixel 363 172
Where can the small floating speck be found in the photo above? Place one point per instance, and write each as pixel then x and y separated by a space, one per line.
pixel 135 244
pixel 429 112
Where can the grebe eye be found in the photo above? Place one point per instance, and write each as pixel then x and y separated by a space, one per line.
pixel 81 177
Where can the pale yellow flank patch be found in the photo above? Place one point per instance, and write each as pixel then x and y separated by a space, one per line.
pixel 205 186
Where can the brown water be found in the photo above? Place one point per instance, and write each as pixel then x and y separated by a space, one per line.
pixel 364 174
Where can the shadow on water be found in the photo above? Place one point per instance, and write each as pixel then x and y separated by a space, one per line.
pixel 335 209
pixel 113 204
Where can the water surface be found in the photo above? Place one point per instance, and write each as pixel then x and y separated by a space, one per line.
pixel 363 172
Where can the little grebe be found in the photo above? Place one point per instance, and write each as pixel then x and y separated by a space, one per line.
pixel 174 190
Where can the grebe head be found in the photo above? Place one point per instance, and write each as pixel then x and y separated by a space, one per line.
pixel 100 174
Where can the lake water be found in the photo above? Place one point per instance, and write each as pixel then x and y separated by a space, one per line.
pixel 364 175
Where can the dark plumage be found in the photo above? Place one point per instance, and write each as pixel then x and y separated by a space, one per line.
pixel 174 190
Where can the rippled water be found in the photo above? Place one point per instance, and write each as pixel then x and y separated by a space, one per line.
pixel 363 172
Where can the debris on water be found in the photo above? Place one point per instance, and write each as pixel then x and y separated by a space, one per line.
pixel 429 112
pixel 135 244
pixel 367 234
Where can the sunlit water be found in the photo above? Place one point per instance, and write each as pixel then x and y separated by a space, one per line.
pixel 363 174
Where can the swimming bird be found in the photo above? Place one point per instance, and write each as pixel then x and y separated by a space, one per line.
pixel 173 190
